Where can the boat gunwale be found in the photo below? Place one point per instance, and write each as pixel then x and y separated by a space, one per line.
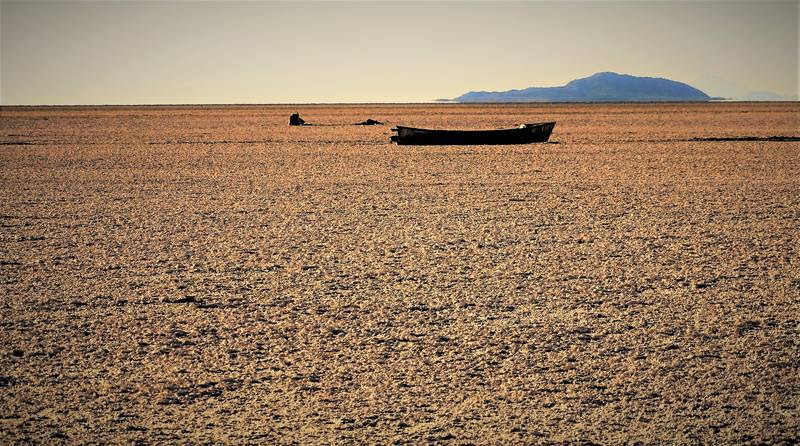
pixel 513 129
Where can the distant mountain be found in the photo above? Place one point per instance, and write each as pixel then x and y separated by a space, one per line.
pixel 733 91
pixel 762 96
pixel 600 87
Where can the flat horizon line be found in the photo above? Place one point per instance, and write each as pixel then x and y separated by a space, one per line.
pixel 434 102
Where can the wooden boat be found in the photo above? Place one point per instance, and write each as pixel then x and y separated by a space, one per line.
pixel 524 134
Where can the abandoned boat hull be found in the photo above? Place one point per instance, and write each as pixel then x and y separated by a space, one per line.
pixel 524 134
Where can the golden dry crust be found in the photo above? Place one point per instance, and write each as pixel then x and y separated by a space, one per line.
pixel 210 274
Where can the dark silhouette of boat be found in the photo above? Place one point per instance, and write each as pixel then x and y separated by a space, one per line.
pixel 524 134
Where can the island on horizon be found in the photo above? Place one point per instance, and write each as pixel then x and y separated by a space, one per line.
pixel 599 87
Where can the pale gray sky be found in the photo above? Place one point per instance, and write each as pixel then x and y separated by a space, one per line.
pixel 279 52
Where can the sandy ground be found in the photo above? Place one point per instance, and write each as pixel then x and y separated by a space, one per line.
pixel 211 275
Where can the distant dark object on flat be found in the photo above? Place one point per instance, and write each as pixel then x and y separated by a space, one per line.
pixel 295 119
pixel 524 134
pixel 369 122
pixel 777 138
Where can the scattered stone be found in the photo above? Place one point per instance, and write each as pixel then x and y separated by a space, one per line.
pixel 213 392
pixel 702 285
pixel 232 384
pixel 746 326
pixel 168 401
pixel 183 300
pixel 369 122
pixel 295 119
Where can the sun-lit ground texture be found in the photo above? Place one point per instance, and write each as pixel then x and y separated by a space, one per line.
pixel 209 274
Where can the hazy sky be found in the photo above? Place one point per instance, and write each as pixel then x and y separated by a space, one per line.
pixel 279 52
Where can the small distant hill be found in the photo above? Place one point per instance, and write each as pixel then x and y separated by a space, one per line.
pixel 728 90
pixel 600 87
